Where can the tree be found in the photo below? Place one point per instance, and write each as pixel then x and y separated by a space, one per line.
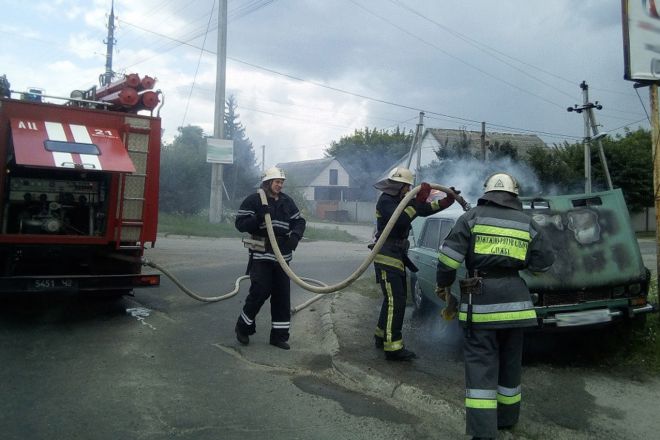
pixel 184 173
pixel 185 176
pixel 629 162
pixel 241 177
pixel 461 149
pixel 367 154
pixel 499 151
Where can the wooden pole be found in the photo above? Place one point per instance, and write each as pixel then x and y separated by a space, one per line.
pixel 655 141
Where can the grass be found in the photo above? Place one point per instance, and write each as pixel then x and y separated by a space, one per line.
pixel 199 226
pixel 639 347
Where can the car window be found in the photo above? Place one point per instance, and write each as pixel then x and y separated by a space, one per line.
pixel 430 234
pixel 445 229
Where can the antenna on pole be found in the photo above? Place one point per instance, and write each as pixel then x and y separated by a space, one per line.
pixel 106 78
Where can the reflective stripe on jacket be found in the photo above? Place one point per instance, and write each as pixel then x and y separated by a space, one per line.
pixel 496 235
pixel 285 218
pixel 392 256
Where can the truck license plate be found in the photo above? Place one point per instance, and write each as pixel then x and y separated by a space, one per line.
pixel 587 317
pixel 53 284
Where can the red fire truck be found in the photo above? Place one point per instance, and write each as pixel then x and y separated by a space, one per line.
pixel 78 195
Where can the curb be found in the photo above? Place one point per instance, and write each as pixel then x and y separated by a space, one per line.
pixel 409 396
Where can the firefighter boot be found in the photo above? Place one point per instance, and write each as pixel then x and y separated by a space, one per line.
pixel 241 337
pixel 280 344
pixel 378 342
pixel 400 355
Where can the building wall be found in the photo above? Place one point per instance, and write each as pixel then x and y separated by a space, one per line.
pixel 643 221
pixel 323 179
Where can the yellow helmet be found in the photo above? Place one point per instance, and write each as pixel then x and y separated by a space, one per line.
pixel 273 173
pixel 501 182
pixel 403 175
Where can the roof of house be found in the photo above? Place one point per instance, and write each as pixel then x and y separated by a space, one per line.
pixel 304 172
pixel 520 141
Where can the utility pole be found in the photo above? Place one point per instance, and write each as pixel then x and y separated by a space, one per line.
pixel 215 205
pixel 655 141
pixel 106 78
pixel 263 158
pixel 483 141
pixel 590 125
pixel 416 139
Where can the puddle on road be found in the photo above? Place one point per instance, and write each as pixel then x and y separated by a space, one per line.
pixel 352 402
pixel 140 313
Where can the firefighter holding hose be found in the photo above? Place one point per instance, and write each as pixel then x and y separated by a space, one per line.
pixel 495 240
pixel 267 278
pixel 391 262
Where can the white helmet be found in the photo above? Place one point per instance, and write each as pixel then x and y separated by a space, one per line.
pixel 273 173
pixel 403 175
pixel 501 182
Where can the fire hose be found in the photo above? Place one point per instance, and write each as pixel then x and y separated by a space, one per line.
pixel 309 284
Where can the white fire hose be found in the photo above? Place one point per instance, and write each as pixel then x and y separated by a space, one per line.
pixel 309 284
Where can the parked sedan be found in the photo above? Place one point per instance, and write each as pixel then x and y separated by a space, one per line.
pixel 598 276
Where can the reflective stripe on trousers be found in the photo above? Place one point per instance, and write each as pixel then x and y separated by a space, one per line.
pixel 492 378
pixel 390 320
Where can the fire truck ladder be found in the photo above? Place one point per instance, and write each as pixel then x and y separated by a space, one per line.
pixel 131 198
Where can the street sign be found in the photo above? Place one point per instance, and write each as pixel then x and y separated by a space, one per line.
pixel 219 151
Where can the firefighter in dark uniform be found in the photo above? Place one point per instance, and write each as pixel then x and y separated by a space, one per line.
pixel 495 240
pixel 391 262
pixel 267 277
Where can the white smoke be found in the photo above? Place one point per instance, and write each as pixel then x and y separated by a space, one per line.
pixel 469 175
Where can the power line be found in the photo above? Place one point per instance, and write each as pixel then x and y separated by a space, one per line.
pixel 325 86
pixel 454 56
pixel 199 60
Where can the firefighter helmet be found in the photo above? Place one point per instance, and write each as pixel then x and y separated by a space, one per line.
pixel 273 173
pixel 401 174
pixel 501 182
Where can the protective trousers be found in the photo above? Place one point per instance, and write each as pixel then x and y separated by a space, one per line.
pixel 390 320
pixel 493 361
pixel 267 280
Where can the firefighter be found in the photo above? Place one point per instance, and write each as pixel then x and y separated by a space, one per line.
pixel 267 277
pixel 496 240
pixel 391 262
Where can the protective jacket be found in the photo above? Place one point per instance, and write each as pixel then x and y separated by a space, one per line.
pixel 391 262
pixel 496 240
pixel 285 217
pixel 267 278
pixel 394 253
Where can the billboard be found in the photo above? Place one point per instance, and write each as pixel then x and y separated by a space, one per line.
pixel 219 151
pixel 641 39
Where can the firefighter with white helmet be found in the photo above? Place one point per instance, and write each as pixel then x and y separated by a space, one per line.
pixel 267 277
pixel 495 240
pixel 391 262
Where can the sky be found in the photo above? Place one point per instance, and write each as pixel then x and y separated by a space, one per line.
pixel 304 73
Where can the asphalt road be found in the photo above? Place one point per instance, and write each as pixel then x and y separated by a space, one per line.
pixel 161 365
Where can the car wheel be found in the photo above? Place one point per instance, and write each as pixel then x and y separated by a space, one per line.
pixel 421 305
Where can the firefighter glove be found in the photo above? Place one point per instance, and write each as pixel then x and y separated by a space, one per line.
pixel 442 292
pixel 450 310
pixel 449 200
pixel 292 242
pixel 424 192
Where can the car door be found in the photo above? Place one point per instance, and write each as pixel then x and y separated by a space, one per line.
pixel 425 255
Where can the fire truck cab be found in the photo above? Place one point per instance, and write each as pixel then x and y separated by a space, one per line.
pixel 78 197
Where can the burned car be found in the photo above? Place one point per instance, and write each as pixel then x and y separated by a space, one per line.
pixel 598 276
